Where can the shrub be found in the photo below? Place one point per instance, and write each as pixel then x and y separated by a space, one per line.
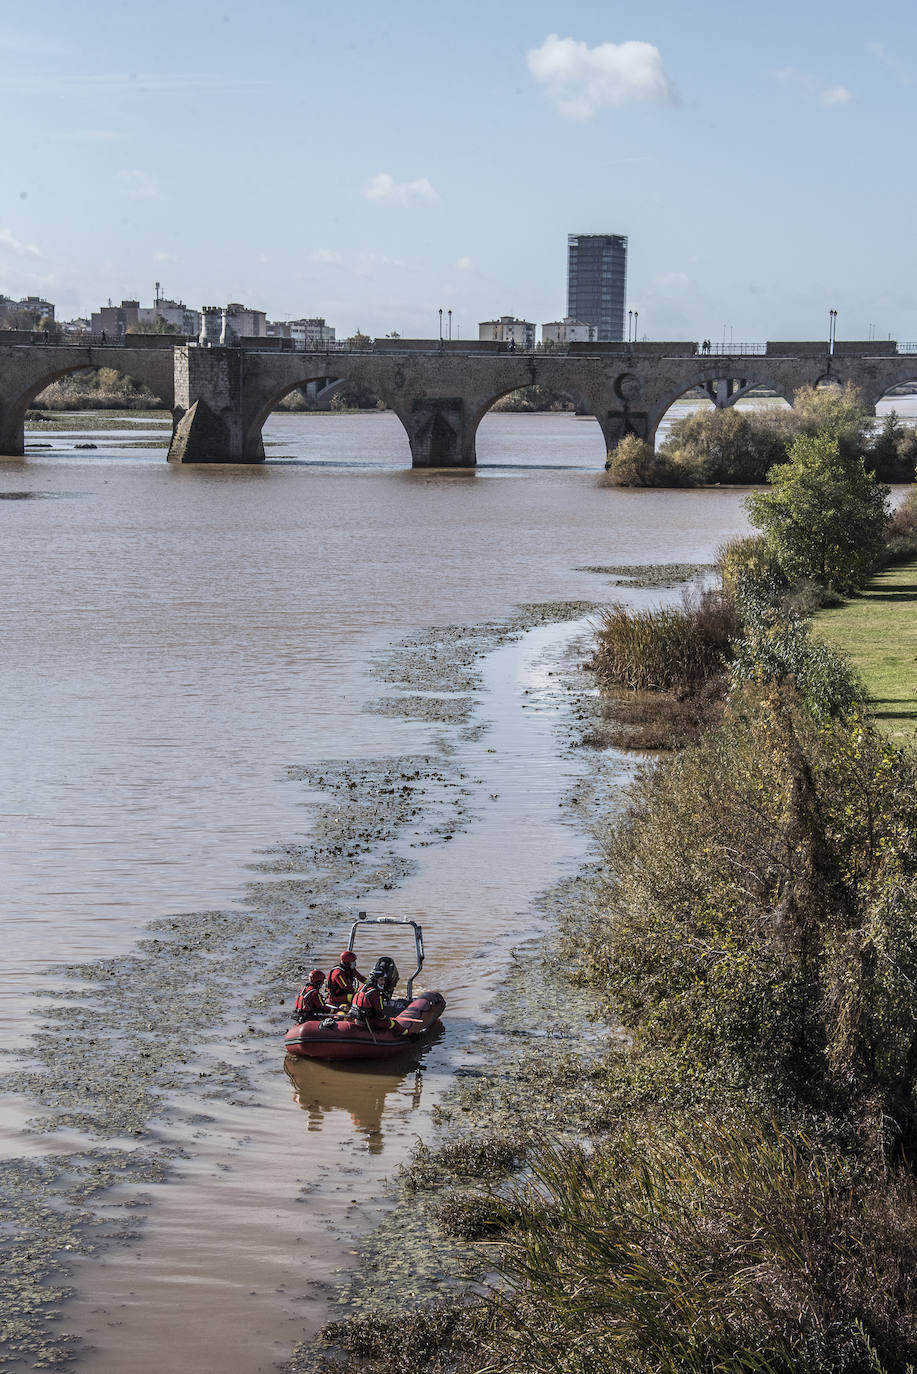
pixel 667 649
pixel 891 452
pixel 635 464
pixel 533 398
pixel 101 388
pixel 777 647
pixel 728 445
pixel 824 517
pixel 751 558
pixel 901 533
pixel 762 924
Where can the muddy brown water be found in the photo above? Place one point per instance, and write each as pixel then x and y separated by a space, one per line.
pixel 174 640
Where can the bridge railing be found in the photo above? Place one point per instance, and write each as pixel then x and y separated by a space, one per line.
pixel 734 350
pixel 907 347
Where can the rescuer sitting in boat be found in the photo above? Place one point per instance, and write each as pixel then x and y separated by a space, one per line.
pixel 311 1004
pixel 372 1002
pixel 343 980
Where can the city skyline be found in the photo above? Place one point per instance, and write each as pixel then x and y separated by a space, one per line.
pixel 373 167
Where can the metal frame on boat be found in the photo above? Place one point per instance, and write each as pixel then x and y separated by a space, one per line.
pixel 347 1038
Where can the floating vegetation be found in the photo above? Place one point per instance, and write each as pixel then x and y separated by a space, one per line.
pixel 440 710
pixel 659 575
pixel 34 495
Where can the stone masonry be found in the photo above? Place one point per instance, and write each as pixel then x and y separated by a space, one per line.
pixel 220 397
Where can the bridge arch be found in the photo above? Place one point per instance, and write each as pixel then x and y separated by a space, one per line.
pixel 261 400
pixel 483 413
pixel 152 367
pixel 721 389
pixel 879 391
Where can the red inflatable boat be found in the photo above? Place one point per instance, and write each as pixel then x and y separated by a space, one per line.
pixel 341 1037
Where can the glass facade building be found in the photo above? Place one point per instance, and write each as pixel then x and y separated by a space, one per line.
pixel 597 282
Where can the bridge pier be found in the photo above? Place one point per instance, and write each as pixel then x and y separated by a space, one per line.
pixel 208 421
pixel 12 433
pixel 617 423
pixel 725 391
pixel 440 433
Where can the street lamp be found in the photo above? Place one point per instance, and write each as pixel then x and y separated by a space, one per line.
pixel 636 318
pixel 630 325
pixel 440 324
pixel 832 331
pixel 450 326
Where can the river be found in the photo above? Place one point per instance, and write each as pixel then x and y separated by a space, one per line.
pixel 175 642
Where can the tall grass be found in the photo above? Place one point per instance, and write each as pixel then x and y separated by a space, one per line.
pixel 704 1247
pixel 669 649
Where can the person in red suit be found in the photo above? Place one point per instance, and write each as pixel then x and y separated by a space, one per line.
pixel 343 980
pixel 369 1003
pixel 310 1004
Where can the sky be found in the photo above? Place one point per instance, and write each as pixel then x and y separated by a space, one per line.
pixel 374 163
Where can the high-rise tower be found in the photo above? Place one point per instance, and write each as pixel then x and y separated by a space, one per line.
pixel 597 282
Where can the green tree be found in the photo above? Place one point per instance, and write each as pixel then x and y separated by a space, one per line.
pixel 159 326
pixel 824 517
pixel 359 342
pixel 836 411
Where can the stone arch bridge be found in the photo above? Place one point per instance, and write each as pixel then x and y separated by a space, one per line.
pixel 220 397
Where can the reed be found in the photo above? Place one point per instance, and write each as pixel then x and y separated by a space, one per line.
pixel 705 1246
pixel 669 649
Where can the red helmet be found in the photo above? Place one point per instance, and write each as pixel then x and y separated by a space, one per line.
pixel 348 957
pixel 316 978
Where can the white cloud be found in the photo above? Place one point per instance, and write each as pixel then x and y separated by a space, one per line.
pixel 383 186
pixel 834 95
pixel 327 257
pixel 139 185
pixel 465 265
pixel 10 244
pixel 825 95
pixel 581 80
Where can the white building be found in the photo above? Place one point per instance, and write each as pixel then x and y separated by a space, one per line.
pixel 568 330
pixel 239 322
pixel 507 329
pixel 312 334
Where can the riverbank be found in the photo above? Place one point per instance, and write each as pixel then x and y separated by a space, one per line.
pixel 753 1118
pixel 39 422
pixel 877 629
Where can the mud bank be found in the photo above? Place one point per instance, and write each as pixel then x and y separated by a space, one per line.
pixel 135 1055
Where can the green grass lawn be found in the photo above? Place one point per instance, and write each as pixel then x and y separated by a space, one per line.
pixel 878 629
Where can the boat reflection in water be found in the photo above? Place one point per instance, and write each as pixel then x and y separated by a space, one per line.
pixel 320 1088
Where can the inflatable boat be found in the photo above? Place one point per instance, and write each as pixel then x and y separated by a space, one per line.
pixel 350 1037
